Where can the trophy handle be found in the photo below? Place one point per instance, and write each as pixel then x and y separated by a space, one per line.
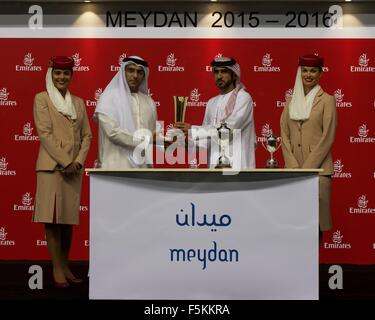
pixel 277 147
pixel 278 140
pixel 262 143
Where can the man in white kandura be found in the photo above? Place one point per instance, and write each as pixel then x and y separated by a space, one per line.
pixel 234 106
pixel 123 110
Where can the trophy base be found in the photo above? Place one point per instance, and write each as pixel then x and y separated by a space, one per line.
pixel 271 164
pixel 223 166
pixel 223 163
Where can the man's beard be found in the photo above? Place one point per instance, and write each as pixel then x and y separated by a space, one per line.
pixel 226 84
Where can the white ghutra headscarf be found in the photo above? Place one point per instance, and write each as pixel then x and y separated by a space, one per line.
pixel 230 64
pixel 115 101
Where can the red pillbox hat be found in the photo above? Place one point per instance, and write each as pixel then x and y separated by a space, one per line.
pixel 61 62
pixel 311 60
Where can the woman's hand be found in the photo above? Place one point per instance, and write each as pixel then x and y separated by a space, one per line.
pixel 73 168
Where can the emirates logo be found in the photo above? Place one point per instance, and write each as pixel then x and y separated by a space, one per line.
pixel 337 166
pixel 338 171
pixel 4 94
pixel 266 60
pixel 3 234
pixel 27 199
pixel 337 242
pixel 267 131
pixel 337 237
pixel 363 135
pixel 362 206
pixel 339 95
pixel 267 65
pixel 27 133
pixel 171 65
pixel 340 103
pixel 28 60
pixel 194 95
pixel 3 164
pixel 363 131
pixel 77 59
pixel 171 60
pixel 363 60
pixel 363 65
pixel 362 202
pixel 27 129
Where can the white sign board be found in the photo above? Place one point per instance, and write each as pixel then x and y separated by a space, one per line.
pixel 152 239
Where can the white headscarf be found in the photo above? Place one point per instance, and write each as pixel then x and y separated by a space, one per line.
pixel 115 101
pixel 229 107
pixel 63 105
pixel 301 105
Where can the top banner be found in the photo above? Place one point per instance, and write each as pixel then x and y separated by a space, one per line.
pixel 184 20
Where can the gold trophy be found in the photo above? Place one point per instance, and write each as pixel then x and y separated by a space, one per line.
pixel 180 103
pixel 272 145
pixel 172 133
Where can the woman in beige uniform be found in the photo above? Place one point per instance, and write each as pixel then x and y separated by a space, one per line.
pixel 308 125
pixel 64 131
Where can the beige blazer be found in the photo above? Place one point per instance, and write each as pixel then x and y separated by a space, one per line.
pixel 307 144
pixel 62 141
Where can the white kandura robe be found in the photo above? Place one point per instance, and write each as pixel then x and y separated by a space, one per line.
pixel 113 140
pixel 241 118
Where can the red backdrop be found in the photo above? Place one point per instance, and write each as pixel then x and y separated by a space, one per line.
pixel 268 70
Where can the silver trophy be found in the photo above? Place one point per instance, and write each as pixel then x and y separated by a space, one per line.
pixel 272 144
pixel 225 136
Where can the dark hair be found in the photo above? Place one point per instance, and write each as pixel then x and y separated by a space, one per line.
pixel 319 68
pixel 71 70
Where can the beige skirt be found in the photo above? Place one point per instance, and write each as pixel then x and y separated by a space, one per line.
pixel 57 198
pixel 325 219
